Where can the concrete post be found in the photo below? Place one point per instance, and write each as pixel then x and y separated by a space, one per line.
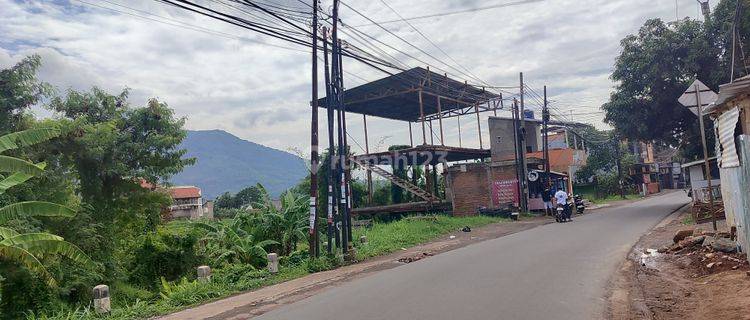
pixel 102 303
pixel 204 273
pixel 273 262
pixel 363 239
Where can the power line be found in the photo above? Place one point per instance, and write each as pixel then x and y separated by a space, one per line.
pixel 431 42
pixel 182 24
pixel 449 13
pixel 407 42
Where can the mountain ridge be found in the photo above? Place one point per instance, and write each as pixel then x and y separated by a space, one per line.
pixel 227 163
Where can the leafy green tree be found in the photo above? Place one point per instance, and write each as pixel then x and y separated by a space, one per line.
pixel 658 63
pixel 19 90
pixel 111 146
pixel 243 198
pixel 654 68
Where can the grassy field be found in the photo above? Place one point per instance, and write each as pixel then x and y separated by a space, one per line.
pixel 589 193
pixel 611 198
pixel 385 238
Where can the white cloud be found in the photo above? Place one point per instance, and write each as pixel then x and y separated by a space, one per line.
pixel 261 93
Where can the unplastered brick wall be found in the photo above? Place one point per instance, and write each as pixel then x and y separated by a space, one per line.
pixel 471 185
pixel 470 188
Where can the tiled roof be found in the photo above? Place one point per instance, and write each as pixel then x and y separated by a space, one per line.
pixel 185 192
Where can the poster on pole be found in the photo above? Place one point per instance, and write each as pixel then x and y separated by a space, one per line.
pixel 505 191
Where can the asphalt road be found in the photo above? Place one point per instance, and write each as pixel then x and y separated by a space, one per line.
pixel 556 271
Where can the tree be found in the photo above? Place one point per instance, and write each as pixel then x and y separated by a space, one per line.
pixel 111 146
pixel 243 198
pixel 653 69
pixel 29 249
pixel 19 90
pixel 658 63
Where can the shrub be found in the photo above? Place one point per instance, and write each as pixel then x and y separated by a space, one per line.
pixel 124 294
pixel 324 263
pixel 168 253
pixel 185 292
pixel 295 258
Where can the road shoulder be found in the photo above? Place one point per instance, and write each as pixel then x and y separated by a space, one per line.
pixel 250 304
pixel 678 283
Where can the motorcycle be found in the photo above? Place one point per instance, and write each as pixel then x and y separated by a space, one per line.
pixel 578 200
pixel 560 213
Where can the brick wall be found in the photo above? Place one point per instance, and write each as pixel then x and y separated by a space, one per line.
pixel 469 188
pixel 471 185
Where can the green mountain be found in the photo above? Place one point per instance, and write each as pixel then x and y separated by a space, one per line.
pixel 227 163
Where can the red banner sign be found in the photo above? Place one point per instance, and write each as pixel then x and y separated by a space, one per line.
pixel 505 191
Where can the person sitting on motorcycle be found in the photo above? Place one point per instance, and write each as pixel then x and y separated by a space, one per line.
pixel 561 197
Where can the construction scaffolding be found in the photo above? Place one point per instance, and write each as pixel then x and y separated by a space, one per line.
pixel 416 96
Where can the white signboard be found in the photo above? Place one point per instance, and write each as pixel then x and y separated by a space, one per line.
pixel 688 98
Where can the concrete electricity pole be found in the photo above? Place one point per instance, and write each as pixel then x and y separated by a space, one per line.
pixel 522 136
pixel 545 147
pixel 314 250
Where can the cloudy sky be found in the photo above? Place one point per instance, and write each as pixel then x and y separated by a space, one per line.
pixel 224 77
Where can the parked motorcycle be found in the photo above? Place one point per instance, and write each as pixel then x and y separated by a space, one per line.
pixel 578 200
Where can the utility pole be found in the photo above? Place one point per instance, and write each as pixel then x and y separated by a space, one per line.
pixel 345 155
pixel 331 147
pixel 616 141
pixel 314 249
pixel 337 86
pixel 705 156
pixel 545 147
pixel 522 135
pixel 516 155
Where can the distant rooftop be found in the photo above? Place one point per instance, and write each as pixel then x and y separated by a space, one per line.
pixel 185 192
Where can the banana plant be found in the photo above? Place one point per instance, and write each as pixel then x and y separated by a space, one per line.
pixel 229 243
pixel 30 249
pixel 288 223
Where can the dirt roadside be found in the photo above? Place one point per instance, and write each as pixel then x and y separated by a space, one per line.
pixel 254 303
pixel 661 280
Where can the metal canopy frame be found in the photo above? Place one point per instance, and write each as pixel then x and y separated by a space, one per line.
pixel 403 96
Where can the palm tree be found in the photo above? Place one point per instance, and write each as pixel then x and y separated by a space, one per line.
pixel 29 249
pixel 287 224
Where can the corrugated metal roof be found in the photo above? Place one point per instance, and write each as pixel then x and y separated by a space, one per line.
pixel 397 97
pixel 728 91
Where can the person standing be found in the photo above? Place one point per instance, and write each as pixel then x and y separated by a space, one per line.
pixel 561 197
pixel 547 199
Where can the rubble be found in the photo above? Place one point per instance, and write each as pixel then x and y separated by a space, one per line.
pixel 415 257
pixel 682 234
pixel 724 245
